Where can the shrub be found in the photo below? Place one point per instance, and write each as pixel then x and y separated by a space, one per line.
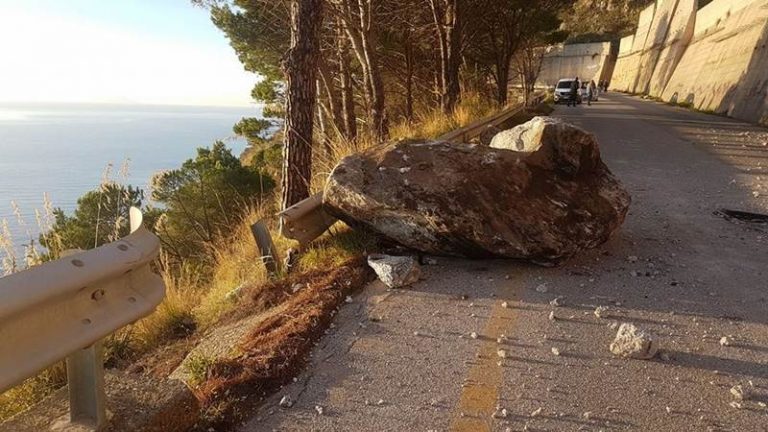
pixel 205 200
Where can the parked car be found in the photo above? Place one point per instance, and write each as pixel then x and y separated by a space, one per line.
pixel 563 91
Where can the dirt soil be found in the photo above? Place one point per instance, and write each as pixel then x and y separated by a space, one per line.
pixel 277 348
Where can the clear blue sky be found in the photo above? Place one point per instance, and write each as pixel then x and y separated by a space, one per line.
pixel 124 51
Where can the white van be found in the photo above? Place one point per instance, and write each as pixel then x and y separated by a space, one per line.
pixel 563 91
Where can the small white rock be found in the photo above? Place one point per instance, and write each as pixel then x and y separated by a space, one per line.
pixel 555 351
pixel 725 341
pixel 286 402
pixel 542 289
pixel 348 299
pixel 319 410
pixel 601 312
pixel 557 301
pixel 741 393
pixel 536 412
pixel 552 316
pixel 505 305
pixel 632 342
pixel 473 335
pixel 502 353
pixel 500 413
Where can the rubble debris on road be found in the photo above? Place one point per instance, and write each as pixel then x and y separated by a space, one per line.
pixel 601 312
pixel 319 409
pixel 500 413
pixel 395 271
pixel 558 301
pixel 632 342
pixel 553 192
pixel 542 288
pixel 741 392
pixel 726 341
pixel 286 402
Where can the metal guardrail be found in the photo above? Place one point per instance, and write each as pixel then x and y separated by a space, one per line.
pixel 64 308
pixel 476 128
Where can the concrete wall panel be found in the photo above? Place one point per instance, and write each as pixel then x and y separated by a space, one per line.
pixel 679 35
pixel 628 62
pixel 657 35
pixel 725 68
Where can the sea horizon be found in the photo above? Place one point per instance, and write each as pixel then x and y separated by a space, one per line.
pixel 63 149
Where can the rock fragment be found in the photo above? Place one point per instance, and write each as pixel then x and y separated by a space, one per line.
pixel 500 413
pixel 558 301
pixel 537 412
pixel 725 341
pixel 632 342
pixel 741 393
pixel 601 312
pixel 395 271
pixel 286 402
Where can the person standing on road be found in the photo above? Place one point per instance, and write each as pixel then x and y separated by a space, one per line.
pixel 591 89
pixel 575 85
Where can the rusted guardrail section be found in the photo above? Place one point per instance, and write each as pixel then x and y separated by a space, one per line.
pixel 475 129
pixel 62 309
pixel 306 220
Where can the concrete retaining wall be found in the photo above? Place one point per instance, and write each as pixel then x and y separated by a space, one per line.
pixel 714 59
pixel 628 64
pixel 592 61
pixel 678 36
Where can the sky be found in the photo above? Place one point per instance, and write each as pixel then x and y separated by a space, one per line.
pixel 117 51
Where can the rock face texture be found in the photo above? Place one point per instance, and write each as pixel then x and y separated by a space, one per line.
pixel 544 197
pixel 395 271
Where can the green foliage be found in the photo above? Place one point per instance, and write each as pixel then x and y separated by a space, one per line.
pixel 255 130
pixel 204 201
pixel 101 216
pixel 259 32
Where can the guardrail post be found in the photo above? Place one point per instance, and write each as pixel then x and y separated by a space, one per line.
pixel 266 247
pixel 85 377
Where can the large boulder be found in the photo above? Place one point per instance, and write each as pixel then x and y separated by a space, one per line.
pixel 543 198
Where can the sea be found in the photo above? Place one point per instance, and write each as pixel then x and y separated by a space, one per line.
pixel 57 152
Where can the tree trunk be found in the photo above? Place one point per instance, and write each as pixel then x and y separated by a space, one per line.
pixel 358 25
pixel 300 68
pixel 446 15
pixel 409 79
pixel 347 90
pixel 502 82
pixel 335 109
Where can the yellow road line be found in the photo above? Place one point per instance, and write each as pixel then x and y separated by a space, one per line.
pixel 481 394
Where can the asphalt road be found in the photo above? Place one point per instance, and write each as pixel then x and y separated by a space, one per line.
pixel 406 361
